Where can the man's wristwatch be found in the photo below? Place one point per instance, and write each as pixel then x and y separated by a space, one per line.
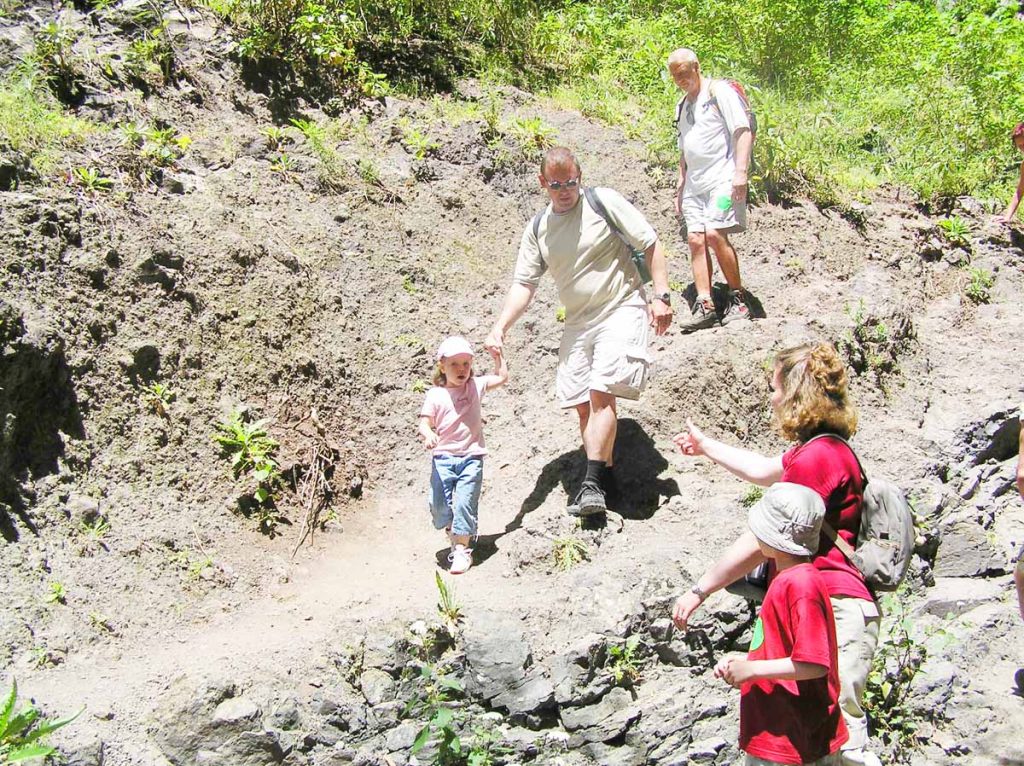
pixel 701 593
pixel 665 298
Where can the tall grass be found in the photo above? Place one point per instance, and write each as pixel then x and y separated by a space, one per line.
pixel 33 123
pixel 850 94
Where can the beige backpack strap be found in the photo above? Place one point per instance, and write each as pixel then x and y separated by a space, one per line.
pixel 839 542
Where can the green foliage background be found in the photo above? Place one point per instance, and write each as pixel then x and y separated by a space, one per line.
pixel 850 94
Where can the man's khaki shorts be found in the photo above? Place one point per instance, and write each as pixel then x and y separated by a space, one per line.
pixel 610 357
pixel 713 210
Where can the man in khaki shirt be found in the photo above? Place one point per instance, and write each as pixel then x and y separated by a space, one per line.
pixel 603 354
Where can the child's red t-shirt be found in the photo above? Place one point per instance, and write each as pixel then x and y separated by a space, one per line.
pixel 794 721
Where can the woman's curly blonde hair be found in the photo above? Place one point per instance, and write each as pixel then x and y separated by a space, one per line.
pixel 814 395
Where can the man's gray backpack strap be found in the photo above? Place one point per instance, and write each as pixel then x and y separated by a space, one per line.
pixel 536 228
pixel 885 543
pixel 639 259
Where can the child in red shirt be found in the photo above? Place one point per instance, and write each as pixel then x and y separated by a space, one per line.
pixel 789 682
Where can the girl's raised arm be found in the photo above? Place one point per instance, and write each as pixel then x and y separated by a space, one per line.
pixel 500 370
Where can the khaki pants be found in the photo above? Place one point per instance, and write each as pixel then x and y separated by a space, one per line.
pixel 828 760
pixel 857 622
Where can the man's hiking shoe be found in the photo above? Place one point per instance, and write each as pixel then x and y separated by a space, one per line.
pixel 736 308
pixel 588 502
pixel 703 315
pixel 461 559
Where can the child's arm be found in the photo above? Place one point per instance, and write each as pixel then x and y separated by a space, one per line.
pixel 736 671
pixel 426 428
pixel 500 370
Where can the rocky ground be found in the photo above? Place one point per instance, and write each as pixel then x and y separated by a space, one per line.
pixel 312 290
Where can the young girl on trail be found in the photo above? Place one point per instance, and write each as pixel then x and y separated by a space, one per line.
pixel 451 425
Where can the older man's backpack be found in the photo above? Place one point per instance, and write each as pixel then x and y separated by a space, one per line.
pixel 714 87
pixel 885 543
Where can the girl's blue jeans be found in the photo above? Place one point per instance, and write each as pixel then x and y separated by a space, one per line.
pixel 455 484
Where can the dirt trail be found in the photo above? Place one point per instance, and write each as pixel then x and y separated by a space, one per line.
pixel 340 311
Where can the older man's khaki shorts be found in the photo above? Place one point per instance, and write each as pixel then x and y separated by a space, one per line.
pixel 713 210
pixel 610 357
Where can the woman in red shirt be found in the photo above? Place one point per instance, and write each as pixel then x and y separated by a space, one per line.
pixel 809 397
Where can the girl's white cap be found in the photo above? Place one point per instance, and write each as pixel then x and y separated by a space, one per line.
pixel 453 346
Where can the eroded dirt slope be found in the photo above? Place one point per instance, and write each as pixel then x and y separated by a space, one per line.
pixel 313 291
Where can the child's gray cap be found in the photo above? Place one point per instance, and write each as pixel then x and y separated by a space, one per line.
pixel 788 518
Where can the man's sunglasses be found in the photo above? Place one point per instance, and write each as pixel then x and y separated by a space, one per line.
pixel 572 183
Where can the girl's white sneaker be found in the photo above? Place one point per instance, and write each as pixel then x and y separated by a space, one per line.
pixel 461 559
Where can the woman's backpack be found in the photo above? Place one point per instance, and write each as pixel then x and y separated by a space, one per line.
pixel 885 543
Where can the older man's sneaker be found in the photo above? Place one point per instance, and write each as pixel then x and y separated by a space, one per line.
pixel 461 559
pixel 703 315
pixel 588 502
pixel 736 308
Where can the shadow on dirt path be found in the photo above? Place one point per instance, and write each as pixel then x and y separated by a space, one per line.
pixel 638 468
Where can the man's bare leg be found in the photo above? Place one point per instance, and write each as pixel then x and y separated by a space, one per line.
pixel 602 424
pixel 598 426
pixel 725 254
pixel 700 260
pixel 583 411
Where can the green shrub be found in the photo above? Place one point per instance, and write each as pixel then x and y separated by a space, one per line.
pixel 164 146
pixel 276 136
pixel 417 142
pixel 751 496
pixel 532 134
pixel 568 552
pixel 158 397
pixel 433 700
pixel 150 58
pixel 91 179
pixel 247 444
pixel 56 593
pixel 902 650
pixel 323 138
pixel 57 60
pixel 623 662
pixel 978 287
pixel 23 733
pixel 956 230
pixel 95 530
pixel 447 606
pixel 252 454
pixel 282 164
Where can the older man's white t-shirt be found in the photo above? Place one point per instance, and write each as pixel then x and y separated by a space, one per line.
pixel 592 268
pixel 707 143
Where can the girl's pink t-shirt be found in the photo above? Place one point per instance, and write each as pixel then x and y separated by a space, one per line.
pixel 458 417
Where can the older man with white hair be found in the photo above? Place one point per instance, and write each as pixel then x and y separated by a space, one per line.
pixel 715 142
